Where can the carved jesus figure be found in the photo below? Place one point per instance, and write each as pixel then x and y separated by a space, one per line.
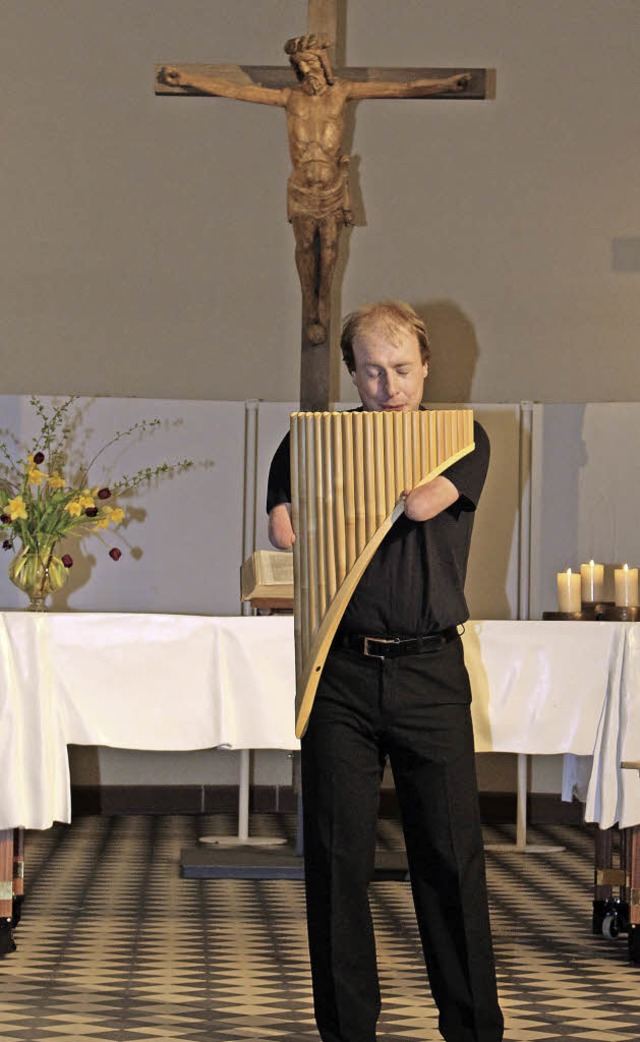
pixel 318 188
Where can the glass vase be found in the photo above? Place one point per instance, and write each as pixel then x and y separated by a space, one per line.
pixel 38 572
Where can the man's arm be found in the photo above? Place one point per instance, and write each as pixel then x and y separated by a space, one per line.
pixel 463 485
pixel 357 89
pixel 429 500
pixel 421 504
pixel 220 87
pixel 281 534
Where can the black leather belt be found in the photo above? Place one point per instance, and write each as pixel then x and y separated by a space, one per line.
pixel 395 647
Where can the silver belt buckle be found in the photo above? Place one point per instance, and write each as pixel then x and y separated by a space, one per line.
pixel 376 640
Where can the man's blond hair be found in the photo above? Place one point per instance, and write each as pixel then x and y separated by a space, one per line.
pixel 393 316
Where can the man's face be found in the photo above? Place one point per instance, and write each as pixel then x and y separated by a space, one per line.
pixel 389 373
pixel 310 68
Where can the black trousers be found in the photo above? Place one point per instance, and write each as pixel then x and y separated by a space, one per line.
pixel 415 711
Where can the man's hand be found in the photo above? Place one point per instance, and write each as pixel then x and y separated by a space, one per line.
pixel 461 81
pixel 427 501
pixel 281 534
pixel 170 76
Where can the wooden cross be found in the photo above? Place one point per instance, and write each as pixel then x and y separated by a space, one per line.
pixel 315 98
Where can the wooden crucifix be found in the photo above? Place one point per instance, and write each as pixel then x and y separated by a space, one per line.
pixel 314 98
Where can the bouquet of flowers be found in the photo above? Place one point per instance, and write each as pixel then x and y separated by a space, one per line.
pixel 40 504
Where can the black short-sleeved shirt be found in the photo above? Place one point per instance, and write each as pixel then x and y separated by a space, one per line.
pixel 414 584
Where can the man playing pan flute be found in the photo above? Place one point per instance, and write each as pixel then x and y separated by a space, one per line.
pixel 394 685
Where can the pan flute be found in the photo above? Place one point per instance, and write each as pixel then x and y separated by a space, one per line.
pixel 348 473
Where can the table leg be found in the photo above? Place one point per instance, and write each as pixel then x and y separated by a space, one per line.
pixel 633 880
pixel 633 873
pixel 7 944
pixel 609 912
pixel 521 844
pixel 18 874
pixel 243 839
pixel 633 877
pixel 602 892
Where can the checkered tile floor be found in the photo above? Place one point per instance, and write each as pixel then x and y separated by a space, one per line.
pixel 114 945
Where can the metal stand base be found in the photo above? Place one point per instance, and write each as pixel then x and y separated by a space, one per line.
pixel 521 846
pixel 243 839
pixel 239 841
pixel 208 862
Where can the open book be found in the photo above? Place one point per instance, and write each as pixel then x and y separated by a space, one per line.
pixel 266 579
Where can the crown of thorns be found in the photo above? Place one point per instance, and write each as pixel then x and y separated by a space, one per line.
pixel 310 42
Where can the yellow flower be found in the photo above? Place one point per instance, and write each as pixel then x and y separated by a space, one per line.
pixel 55 481
pixel 81 501
pixel 36 477
pixel 114 514
pixel 16 509
pixel 74 507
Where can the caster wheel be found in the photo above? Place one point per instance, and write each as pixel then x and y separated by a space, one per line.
pixel 597 917
pixel 610 926
pixel 7 943
pixel 17 911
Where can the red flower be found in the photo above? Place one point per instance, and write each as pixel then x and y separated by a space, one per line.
pixel 67 560
pixel 91 511
pixel 38 458
pixel 104 493
pixel 4 519
pixel 115 554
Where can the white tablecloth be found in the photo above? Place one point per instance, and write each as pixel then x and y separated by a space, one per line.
pixel 192 682
pixel 563 687
pixel 165 682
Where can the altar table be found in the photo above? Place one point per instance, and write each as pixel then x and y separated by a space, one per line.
pixel 152 682
pixel 179 682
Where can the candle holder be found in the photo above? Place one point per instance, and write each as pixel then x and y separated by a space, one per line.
pixel 610 612
pixel 586 614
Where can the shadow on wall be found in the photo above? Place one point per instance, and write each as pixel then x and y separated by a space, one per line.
pixel 454 352
pixel 492 579
pixel 491 588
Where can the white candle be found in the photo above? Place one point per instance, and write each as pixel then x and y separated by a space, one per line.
pixel 626 587
pixel 569 590
pixel 592 576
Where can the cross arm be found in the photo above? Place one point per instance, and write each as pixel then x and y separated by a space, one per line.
pixel 417 83
pixel 226 81
pixel 253 82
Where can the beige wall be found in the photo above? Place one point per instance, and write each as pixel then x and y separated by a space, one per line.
pixel 145 246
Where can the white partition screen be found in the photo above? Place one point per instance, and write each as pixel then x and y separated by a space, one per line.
pixel 182 543
pixel 586 480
